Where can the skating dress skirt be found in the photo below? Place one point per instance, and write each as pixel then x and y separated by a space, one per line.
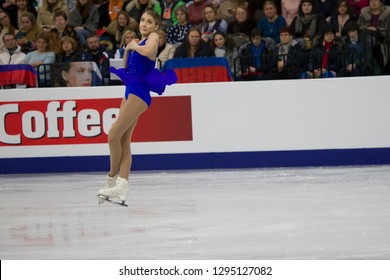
pixel 140 77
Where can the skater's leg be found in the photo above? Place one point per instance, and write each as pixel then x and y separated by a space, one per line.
pixel 129 112
pixel 126 161
pixel 114 151
pixel 119 144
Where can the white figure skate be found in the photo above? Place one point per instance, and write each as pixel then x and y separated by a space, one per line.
pixel 119 191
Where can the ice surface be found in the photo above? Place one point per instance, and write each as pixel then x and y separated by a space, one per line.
pixel 287 213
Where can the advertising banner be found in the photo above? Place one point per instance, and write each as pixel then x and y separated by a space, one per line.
pixel 318 122
pixel 85 121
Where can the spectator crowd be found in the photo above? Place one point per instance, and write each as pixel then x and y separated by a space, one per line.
pixel 261 39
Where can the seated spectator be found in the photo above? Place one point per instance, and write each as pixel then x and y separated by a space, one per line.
pixel 341 17
pixel 45 17
pixel 227 9
pixel 28 33
pixel 354 51
pixel 136 8
pixel 61 27
pixel 41 56
pixel 20 7
pixel 255 56
pixel 289 10
pixel 11 53
pixel 96 52
pixel 224 47
pixel 241 24
pixel 358 5
pixel 177 33
pixel 167 10
pixel 165 50
pixel 272 23
pixel 325 57
pixel 193 46
pixel 5 26
pixel 308 24
pixel 69 50
pixel 195 11
pixel 212 23
pixel 127 37
pixel 118 26
pixel 326 7
pixel 43 53
pixel 288 58
pixel 108 12
pixel 84 19
pixel 374 20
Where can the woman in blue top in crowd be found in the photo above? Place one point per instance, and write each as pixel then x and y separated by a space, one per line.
pixel 140 77
pixel 272 23
pixel 43 53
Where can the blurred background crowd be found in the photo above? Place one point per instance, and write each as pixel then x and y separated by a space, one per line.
pixel 260 39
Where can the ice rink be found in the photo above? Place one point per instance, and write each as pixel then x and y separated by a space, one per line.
pixel 330 213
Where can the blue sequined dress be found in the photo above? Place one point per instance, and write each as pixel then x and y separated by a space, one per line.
pixel 140 77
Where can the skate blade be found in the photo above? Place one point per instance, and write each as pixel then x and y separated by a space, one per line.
pixel 102 199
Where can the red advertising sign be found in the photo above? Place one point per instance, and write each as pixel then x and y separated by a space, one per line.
pixel 83 121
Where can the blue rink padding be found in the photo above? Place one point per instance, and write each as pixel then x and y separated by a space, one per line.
pixel 262 159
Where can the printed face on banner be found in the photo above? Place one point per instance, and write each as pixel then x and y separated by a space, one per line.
pixel 79 74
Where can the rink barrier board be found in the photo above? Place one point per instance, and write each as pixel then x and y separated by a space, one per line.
pixel 274 159
pixel 321 122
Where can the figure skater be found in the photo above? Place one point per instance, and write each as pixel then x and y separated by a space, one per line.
pixel 140 77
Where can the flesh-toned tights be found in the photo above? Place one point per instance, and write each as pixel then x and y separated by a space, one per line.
pixel 120 134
